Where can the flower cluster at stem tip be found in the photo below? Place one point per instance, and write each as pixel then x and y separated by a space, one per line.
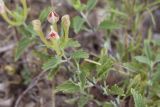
pixel 53 18
pixel 52 39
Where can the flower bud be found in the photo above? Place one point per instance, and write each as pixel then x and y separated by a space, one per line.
pixel 2 7
pixel 53 17
pixel 38 29
pixel 66 22
pixel 36 25
pixel 53 34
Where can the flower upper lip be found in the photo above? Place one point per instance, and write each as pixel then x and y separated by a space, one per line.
pixel 53 17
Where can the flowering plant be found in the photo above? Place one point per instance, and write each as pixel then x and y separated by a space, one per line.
pixel 111 70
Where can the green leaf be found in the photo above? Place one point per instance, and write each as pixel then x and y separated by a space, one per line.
pixel 135 82
pixel 68 87
pixel 78 22
pixel 109 25
pixel 69 43
pixel 83 101
pixel 138 99
pixel 40 54
pixel 52 73
pixel 82 78
pixel 147 49
pixel 78 5
pixel 26 75
pixel 91 4
pixel 51 63
pixel 44 13
pixel 116 90
pixel 72 43
pixel 157 59
pixel 22 45
pixel 79 54
pixel 27 31
pixel 143 59
pixel 130 67
pixel 106 65
pixel 18 17
pixel 117 12
pixel 156 75
pixel 108 104
pixel 157 42
pixel 87 68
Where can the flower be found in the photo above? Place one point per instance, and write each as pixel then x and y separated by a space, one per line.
pixel 53 17
pixel 53 34
pixel 2 7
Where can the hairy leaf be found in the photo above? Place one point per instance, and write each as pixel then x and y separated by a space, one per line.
pixel 44 13
pixel 22 45
pixel 138 99
pixel 143 59
pixel 77 23
pixel 116 90
pixel 91 4
pixel 147 49
pixel 69 43
pixel 108 25
pixel 79 54
pixel 78 5
pixel 106 65
pixel 108 104
pixel 83 101
pixel 82 78
pixel 68 87
pixel 51 63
